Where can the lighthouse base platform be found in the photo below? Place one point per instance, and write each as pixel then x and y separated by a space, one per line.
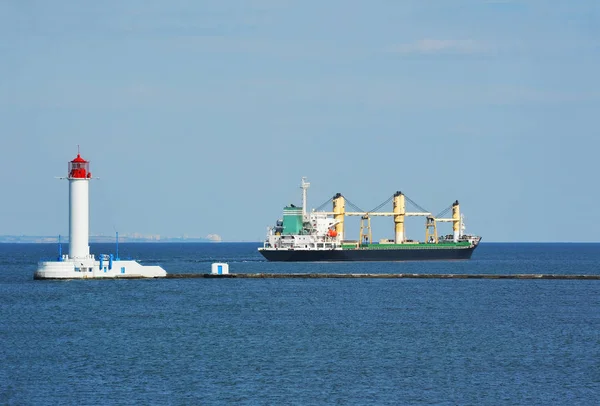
pixel 91 268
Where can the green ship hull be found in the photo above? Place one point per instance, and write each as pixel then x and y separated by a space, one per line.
pixel 374 252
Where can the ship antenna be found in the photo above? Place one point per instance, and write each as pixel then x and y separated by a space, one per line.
pixel 305 185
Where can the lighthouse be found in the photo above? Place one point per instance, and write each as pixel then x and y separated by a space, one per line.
pixel 79 263
pixel 79 208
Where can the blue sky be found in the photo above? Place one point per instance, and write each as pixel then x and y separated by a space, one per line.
pixel 200 117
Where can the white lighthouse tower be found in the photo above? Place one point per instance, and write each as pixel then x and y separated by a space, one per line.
pixel 79 263
pixel 79 208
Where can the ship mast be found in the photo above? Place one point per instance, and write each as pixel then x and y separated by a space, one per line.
pixel 305 185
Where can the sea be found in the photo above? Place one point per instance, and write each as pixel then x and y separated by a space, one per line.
pixel 302 341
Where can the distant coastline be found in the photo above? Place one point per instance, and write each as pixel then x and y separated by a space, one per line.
pixel 106 239
pixel 32 239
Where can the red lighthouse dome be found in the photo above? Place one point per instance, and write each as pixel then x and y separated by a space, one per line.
pixel 79 168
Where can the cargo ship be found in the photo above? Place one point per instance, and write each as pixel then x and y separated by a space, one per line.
pixel 319 235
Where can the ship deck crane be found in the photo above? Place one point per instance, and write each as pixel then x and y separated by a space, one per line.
pixel 399 213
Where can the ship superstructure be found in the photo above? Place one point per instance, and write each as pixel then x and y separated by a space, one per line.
pixel 79 263
pixel 320 235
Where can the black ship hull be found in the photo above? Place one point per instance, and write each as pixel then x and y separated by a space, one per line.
pixel 368 255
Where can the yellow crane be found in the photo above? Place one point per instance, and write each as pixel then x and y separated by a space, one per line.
pixel 399 213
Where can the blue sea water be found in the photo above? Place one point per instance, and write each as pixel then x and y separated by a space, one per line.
pixel 303 341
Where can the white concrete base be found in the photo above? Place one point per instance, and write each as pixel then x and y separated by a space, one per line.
pixel 89 268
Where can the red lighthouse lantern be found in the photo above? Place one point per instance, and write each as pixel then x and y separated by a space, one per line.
pixel 79 168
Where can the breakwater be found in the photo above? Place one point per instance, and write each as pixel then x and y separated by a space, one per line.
pixel 378 276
